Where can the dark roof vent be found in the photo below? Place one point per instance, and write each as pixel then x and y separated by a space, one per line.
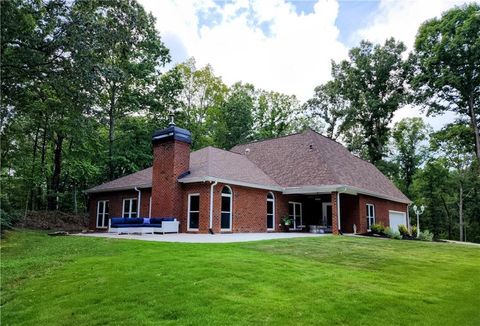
pixel 172 132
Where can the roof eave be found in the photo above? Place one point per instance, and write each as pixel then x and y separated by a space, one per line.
pixel 230 181
pixel 342 189
pixel 129 187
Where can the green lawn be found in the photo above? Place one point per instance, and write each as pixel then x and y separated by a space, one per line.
pixel 329 280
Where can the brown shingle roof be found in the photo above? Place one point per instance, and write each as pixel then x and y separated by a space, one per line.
pixel 305 159
pixel 310 159
pixel 221 164
pixel 140 179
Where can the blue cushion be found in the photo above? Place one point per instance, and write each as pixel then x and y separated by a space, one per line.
pixel 133 220
pixel 156 220
pixel 146 220
pixel 159 220
pixel 118 220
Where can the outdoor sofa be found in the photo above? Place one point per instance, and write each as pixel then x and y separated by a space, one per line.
pixel 143 225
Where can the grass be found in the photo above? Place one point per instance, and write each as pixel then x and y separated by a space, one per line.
pixel 329 280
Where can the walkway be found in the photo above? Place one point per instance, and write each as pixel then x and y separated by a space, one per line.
pixel 204 238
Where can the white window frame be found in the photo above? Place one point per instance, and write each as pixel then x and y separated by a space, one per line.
pixel 273 211
pixel 129 207
pixel 370 219
pixel 102 213
pixel 324 213
pixel 295 203
pixel 230 195
pixel 190 211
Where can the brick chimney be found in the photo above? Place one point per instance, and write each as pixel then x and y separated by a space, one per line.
pixel 171 158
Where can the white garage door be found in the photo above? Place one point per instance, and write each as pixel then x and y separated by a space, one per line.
pixel 396 219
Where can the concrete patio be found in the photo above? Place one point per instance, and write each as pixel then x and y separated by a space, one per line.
pixel 203 238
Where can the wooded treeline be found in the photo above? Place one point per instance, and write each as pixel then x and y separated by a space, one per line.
pixel 84 85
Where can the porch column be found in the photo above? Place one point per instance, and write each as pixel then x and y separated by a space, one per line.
pixel 335 225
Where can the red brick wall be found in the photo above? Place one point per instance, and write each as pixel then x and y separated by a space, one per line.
pixel 249 208
pixel 349 212
pixel 170 160
pixel 203 189
pixel 382 207
pixel 115 202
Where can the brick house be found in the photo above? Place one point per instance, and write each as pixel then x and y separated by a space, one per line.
pixel 312 179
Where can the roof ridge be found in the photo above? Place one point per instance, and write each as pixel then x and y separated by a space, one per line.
pixel 272 138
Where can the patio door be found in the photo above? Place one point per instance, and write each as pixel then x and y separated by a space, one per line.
pixel 327 214
pixel 102 214
pixel 295 213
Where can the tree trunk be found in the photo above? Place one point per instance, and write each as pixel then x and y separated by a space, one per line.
pixel 460 211
pixel 473 121
pixel 75 206
pixel 40 191
pixel 449 218
pixel 111 130
pixel 32 173
pixel 57 168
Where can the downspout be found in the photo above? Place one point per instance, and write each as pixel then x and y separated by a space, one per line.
pixel 211 207
pixel 338 209
pixel 150 207
pixel 138 201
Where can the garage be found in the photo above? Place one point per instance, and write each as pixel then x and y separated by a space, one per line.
pixel 396 219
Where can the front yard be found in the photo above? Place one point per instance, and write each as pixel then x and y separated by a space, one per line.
pixel 328 280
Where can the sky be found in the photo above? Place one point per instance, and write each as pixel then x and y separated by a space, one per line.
pixel 287 45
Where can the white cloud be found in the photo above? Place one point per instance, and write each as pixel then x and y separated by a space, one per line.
pixel 292 56
pixel 401 19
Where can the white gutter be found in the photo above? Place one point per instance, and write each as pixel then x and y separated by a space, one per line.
pixel 232 182
pixel 139 200
pixel 211 204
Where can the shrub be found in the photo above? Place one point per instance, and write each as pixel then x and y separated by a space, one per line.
pixel 377 228
pixel 403 230
pixel 8 219
pixel 426 236
pixel 392 234
pixel 414 230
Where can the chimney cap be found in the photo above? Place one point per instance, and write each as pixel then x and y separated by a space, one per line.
pixel 172 132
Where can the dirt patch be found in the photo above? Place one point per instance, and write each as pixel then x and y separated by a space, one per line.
pixel 54 220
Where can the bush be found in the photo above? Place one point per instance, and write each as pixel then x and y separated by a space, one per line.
pixel 426 236
pixel 8 219
pixel 403 230
pixel 392 234
pixel 414 230
pixel 377 228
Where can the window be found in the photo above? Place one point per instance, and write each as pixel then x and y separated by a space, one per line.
pixel 130 207
pixel 103 213
pixel 270 211
pixel 295 213
pixel 193 212
pixel 370 215
pixel 226 210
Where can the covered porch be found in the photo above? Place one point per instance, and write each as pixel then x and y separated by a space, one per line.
pixel 332 212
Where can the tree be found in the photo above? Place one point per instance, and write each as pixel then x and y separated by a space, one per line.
pixel 273 114
pixel 455 144
pixel 409 137
pixel 446 74
pixel 120 52
pixel 432 187
pixel 373 82
pixel 329 105
pixel 236 116
pixel 200 101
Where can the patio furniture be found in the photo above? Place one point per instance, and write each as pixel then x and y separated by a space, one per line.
pixel 143 225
